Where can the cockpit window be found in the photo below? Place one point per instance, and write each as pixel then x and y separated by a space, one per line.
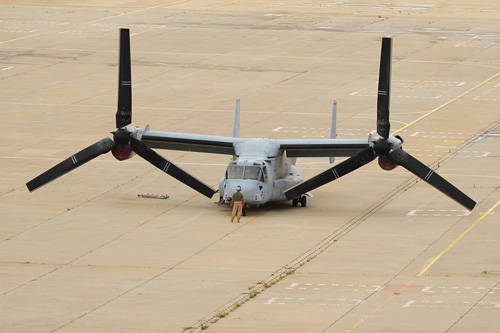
pixel 252 172
pixel 234 172
pixel 247 172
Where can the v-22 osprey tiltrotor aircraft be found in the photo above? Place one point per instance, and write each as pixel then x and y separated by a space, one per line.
pixel 264 168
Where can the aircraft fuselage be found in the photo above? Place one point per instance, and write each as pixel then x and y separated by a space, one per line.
pixel 262 170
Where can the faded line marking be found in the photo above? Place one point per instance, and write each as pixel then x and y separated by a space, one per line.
pixel 448 103
pixel 270 301
pixel 459 238
pixel 428 266
pixel 408 304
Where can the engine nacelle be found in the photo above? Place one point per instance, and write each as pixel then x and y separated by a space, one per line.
pixel 386 163
pixel 122 153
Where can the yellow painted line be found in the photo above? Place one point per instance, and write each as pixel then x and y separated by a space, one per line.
pixel 459 238
pixel 423 271
pixel 448 103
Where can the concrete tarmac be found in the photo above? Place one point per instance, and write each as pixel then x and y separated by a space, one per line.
pixel 374 251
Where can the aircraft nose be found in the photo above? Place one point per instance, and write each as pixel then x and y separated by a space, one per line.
pixel 249 190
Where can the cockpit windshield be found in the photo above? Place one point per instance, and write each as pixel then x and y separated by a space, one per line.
pixel 234 172
pixel 247 172
pixel 251 172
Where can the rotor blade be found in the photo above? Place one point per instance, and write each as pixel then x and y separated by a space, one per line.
pixel 384 89
pixel 124 112
pixel 80 158
pixel 416 167
pixel 168 167
pixel 361 158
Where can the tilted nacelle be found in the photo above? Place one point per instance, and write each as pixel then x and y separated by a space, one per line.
pixel 383 147
pixel 122 150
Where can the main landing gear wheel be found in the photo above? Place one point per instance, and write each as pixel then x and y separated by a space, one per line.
pixel 302 200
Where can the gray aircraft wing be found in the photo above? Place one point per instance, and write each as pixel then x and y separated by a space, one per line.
pixel 226 145
pixel 190 142
pixel 323 147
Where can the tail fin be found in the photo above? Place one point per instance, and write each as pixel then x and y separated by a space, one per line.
pixel 236 130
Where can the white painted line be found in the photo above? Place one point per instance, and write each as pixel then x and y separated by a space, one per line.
pixel 411 213
pixel 293 285
pixel 415 134
pixel 277 129
pixel 486 154
pixel 460 84
pixel 270 301
pixel 7 68
pixel 354 93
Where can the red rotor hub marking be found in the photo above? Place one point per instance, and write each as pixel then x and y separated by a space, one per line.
pixel 386 163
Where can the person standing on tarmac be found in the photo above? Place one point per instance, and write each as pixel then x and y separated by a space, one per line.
pixel 237 202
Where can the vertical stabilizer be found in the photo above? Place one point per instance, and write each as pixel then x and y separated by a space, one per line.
pixel 236 130
pixel 333 127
